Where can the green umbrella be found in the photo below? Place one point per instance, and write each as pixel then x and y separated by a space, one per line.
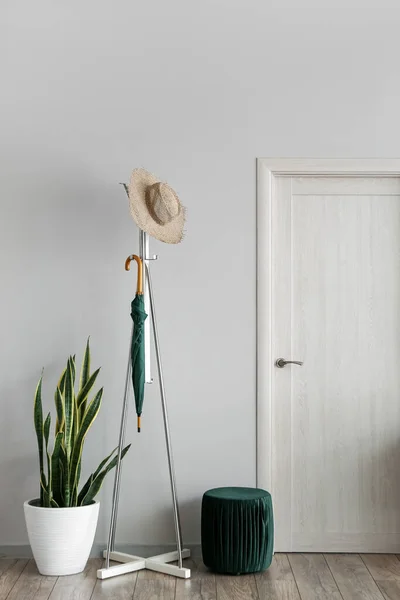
pixel 139 316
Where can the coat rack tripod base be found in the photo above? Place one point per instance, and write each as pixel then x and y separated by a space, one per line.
pixel 129 563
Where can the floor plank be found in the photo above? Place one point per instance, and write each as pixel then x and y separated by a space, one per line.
pixel 154 586
pixel 385 569
pixel 277 582
pixel 290 577
pixel 6 563
pixel 78 587
pixel 313 577
pixel 236 587
pixel 115 588
pixel 31 585
pixel 201 585
pixel 11 571
pixel 279 570
pixel 382 566
pixel 352 577
pixel 390 589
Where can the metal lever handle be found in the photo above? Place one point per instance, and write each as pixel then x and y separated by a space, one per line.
pixel 281 362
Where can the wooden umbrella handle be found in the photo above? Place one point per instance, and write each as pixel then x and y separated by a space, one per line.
pixel 139 287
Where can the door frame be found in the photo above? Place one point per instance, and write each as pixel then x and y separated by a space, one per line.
pixel 267 170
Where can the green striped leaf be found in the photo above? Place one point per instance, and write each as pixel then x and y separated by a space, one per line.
pixel 88 483
pixel 56 468
pixel 76 412
pixel 63 474
pixel 61 382
pixel 43 485
pixel 87 420
pixel 54 504
pixel 74 497
pixel 46 429
pixel 69 409
pixel 85 368
pixel 84 391
pixel 59 402
pixel 76 422
pixel 38 422
pixel 85 490
pixel 73 367
pixel 46 434
pixel 74 489
pixel 65 477
pixel 98 482
pixel 78 473
pixel 103 462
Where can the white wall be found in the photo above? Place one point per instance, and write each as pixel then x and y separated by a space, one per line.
pixel 194 91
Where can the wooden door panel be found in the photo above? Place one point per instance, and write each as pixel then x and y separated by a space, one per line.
pixel 336 420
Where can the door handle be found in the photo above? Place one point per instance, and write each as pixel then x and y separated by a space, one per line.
pixel 281 362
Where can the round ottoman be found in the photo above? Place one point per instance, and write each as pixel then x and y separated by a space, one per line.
pixel 237 530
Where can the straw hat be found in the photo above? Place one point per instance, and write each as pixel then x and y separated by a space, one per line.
pixel 155 207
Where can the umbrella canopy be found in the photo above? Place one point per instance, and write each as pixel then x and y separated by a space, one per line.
pixel 139 316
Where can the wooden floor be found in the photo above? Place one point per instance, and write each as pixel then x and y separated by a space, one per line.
pixel 290 577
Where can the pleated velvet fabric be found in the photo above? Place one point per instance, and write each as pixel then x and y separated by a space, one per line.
pixel 237 530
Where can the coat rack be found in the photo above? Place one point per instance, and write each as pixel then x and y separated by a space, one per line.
pixel 129 563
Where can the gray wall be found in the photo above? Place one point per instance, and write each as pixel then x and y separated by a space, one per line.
pixel 194 91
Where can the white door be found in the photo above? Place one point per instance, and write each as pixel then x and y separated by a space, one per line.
pixel 335 307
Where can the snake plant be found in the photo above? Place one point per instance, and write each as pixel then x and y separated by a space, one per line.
pixel 59 478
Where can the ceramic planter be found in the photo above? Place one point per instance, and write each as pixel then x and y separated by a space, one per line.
pixel 61 538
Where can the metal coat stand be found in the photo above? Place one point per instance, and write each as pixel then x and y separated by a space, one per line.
pixel 129 562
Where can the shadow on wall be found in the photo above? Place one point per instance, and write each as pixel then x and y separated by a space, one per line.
pixel 190 512
pixel 162 520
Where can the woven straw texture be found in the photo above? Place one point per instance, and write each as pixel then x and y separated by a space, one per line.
pixel 155 207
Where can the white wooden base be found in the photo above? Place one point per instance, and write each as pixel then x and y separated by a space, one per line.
pixel 131 563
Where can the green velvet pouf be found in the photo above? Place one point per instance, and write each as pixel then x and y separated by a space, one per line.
pixel 237 530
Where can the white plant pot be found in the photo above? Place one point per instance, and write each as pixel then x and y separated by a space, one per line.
pixel 61 538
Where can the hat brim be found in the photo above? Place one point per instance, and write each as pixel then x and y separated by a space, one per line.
pixel 170 233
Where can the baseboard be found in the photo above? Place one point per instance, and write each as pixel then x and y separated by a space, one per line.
pixel 377 543
pixel 24 550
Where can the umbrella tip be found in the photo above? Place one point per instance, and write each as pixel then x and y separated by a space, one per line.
pixel 138 424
